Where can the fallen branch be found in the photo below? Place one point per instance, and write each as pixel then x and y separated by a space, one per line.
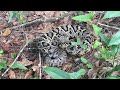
pixel 52 19
pixel 15 59
pixel 108 26
pixel 24 34
pixel 40 66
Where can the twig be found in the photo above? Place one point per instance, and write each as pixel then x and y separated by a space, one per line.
pixel 15 59
pixel 25 34
pixel 108 26
pixel 99 18
pixel 39 65
pixel 52 19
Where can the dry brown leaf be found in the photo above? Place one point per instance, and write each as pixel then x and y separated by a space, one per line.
pixel 25 62
pixel 67 66
pixel 28 74
pixel 48 14
pixel 91 73
pixel 35 69
pixel 47 27
pixel 66 20
pixel 11 74
pixel 2 25
pixel 97 63
pixel 47 77
pixel 15 23
pixel 18 43
pixel 6 32
pixel 20 74
pixel 30 36
pixel 6 47
pixel 38 13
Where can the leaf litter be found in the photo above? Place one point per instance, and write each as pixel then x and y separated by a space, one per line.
pixel 12 42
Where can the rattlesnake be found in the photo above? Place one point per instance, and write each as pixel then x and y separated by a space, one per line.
pixel 55 45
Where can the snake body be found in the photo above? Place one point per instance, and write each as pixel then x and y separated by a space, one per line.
pixel 55 44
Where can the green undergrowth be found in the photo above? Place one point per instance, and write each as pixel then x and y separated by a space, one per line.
pixel 108 50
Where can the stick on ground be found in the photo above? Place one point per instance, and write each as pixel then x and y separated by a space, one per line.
pixel 15 59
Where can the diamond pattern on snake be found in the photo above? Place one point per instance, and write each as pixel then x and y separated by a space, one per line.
pixel 55 45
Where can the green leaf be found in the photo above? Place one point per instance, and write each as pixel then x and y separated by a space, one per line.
pixel 83 60
pixel 56 73
pixel 13 55
pixel 113 77
pixel 18 66
pixel 115 48
pixel 89 65
pixel 116 68
pixel 83 46
pixel 104 52
pixel 78 74
pixel 84 18
pixel 115 39
pixel 111 14
pixel 1 55
pixel 36 77
pixel 104 38
pixel 12 15
pixel 18 16
pixel 3 64
pixel 96 44
pixel 21 13
pixel 23 20
pixel 96 29
pixel 111 54
pixel 74 43
pixel 78 41
pixel 1 51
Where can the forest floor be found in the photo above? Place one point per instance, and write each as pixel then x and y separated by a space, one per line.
pixel 14 35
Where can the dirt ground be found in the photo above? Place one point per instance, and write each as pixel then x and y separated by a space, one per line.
pixel 12 40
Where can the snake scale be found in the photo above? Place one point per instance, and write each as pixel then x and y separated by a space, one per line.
pixel 55 45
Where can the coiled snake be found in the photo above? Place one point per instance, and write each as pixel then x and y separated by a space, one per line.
pixel 56 44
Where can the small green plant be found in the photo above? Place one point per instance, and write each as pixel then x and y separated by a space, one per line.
pixel 85 61
pixel 84 18
pixel 17 65
pixel 113 77
pixel 112 45
pixel 17 14
pixel 96 44
pixel 78 42
pixel 96 29
pixel 111 14
pixel 13 55
pixel 3 64
pixel 115 40
pixel 110 76
pixel 1 52
pixel 56 73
